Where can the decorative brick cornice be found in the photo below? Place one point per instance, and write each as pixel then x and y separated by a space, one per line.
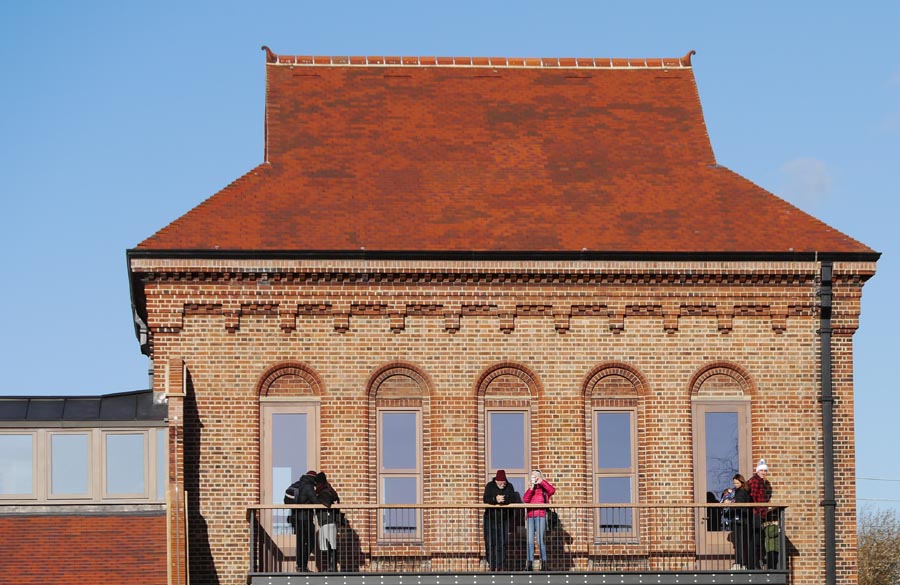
pixel 587 277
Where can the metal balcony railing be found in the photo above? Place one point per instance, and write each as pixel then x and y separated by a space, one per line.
pixel 614 538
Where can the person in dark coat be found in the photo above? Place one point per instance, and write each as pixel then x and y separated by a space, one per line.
pixel 303 491
pixel 497 492
pixel 328 521
pixel 741 525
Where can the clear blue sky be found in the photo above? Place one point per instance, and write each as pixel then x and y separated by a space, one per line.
pixel 117 117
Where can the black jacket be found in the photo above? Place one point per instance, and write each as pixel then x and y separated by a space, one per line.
pixel 328 496
pixel 302 491
pixel 492 490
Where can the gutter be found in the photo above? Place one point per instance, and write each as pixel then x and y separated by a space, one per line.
pixel 500 255
pixel 827 400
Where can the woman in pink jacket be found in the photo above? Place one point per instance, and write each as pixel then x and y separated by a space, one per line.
pixel 539 493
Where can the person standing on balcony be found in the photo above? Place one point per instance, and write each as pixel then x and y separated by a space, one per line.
pixel 536 518
pixel 741 525
pixel 303 491
pixel 760 492
pixel 497 492
pixel 328 519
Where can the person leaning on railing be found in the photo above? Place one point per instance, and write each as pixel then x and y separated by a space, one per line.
pixel 303 491
pixel 328 520
pixel 497 492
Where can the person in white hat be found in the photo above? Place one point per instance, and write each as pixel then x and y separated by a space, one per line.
pixel 761 492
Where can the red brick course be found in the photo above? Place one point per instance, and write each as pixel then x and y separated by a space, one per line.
pixel 81 549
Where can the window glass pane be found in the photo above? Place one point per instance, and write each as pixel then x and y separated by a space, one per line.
pixel 721 452
pixel 615 490
pixel 69 464
pixel 289 451
pixel 399 442
pixel 162 457
pixel 613 432
pixel 400 490
pixel 125 463
pixel 518 483
pixel 507 436
pixel 16 463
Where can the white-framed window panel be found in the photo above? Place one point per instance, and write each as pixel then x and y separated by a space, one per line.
pixel 508 445
pixel 615 472
pixel 722 448
pixel 289 439
pixel 126 464
pixel 400 478
pixel 18 462
pixel 84 465
pixel 70 464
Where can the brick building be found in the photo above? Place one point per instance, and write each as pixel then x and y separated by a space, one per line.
pixel 448 266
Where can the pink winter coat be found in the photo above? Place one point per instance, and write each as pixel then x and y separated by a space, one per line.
pixel 540 494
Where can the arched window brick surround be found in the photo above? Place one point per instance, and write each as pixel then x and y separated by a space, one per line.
pixel 722 379
pixel 290 379
pixel 413 389
pixel 509 369
pixel 417 376
pixel 519 387
pixel 635 384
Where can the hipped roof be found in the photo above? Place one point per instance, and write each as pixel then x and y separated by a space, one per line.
pixel 453 155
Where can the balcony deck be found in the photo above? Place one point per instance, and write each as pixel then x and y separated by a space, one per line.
pixel 445 545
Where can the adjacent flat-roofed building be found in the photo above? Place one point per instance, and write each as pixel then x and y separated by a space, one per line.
pixel 83 489
pixel 447 266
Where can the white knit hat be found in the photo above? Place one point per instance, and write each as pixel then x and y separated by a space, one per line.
pixel 761 466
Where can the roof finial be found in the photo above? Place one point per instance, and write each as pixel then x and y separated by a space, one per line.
pixel 686 60
pixel 270 56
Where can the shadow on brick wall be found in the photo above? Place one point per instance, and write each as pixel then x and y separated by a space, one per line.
pixel 202 565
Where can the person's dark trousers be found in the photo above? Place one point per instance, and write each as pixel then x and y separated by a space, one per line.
pixel 496 539
pixel 305 540
pixel 756 545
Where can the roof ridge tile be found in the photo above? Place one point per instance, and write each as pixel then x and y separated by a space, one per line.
pixel 273 58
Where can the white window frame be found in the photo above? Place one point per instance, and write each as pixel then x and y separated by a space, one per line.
pixel 630 472
pixel 36 475
pixel 524 473
pixel 90 456
pixel 145 438
pixel 386 473
pixel 42 462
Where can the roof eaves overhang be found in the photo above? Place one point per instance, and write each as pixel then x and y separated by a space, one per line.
pixel 501 255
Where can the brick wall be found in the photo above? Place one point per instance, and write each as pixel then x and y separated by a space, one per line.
pixel 553 325
pixel 79 549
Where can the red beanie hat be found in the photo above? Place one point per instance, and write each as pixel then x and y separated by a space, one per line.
pixel 501 475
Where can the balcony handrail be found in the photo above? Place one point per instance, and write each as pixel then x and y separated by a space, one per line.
pixel 772 505
pixel 454 537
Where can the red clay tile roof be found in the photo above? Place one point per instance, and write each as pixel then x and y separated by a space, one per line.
pixel 430 154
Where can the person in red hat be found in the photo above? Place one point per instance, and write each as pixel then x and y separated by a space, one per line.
pixel 498 492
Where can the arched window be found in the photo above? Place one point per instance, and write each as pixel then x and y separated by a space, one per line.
pixel 612 400
pixel 399 395
pixel 289 397
pixel 507 401
pixel 720 399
